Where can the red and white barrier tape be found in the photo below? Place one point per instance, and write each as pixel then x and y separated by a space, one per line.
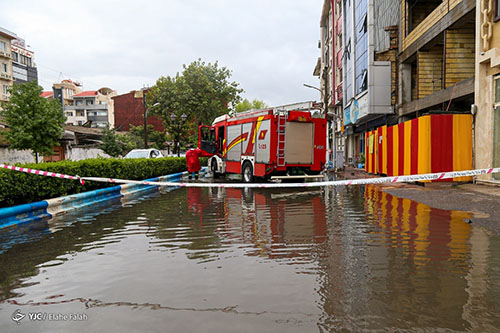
pixel 379 180
pixel 42 173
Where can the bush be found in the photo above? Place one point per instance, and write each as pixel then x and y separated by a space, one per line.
pixel 19 187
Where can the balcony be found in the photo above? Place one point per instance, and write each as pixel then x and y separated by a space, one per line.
pixel 340 92
pixel 4 54
pixel 98 118
pixel 340 54
pixel 6 76
pixel 101 107
pixel 339 26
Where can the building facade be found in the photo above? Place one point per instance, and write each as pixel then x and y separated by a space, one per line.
pixel 368 80
pixel 94 108
pixel 6 75
pixel 487 89
pixel 129 110
pixel 437 57
pixel 329 70
pixel 23 64
pixel 65 90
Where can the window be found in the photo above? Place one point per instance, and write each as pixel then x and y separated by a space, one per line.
pixel 69 114
pixel 364 25
pixel 364 80
pixel 4 68
pixel 3 46
pixel 90 102
pixel 15 56
pixel 78 102
pixel 5 89
pixel 80 113
pixel 497 9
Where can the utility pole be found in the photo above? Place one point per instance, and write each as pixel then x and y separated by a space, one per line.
pixel 145 119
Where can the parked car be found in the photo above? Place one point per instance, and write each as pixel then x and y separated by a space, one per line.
pixel 144 153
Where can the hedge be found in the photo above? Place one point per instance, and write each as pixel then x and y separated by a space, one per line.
pixel 19 187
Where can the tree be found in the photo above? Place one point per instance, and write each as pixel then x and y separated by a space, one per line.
pixel 202 91
pixel 157 138
pixel 34 122
pixel 247 105
pixel 111 143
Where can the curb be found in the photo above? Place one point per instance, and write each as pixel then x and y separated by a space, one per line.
pixel 47 209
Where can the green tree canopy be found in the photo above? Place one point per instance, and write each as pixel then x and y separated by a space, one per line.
pixel 111 143
pixel 245 105
pixel 158 139
pixel 34 122
pixel 203 91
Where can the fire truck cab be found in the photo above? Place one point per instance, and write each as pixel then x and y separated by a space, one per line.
pixel 270 143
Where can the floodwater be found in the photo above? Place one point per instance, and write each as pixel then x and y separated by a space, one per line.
pixel 226 260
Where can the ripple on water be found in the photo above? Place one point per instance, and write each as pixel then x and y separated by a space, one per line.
pixel 332 259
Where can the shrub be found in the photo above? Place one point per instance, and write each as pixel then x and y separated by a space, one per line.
pixel 19 187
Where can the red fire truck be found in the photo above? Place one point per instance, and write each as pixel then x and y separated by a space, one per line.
pixel 282 142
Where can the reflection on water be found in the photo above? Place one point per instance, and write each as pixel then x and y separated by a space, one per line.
pixel 255 260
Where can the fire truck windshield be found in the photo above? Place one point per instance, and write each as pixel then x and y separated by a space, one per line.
pixel 207 142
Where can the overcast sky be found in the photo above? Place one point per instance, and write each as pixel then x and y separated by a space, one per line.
pixel 271 46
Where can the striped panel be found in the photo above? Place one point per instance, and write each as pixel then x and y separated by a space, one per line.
pixel 424 144
pixel 380 150
pixel 374 152
pixel 407 148
pixel 401 162
pixel 384 151
pixel 367 156
pixel 390 151
pixel 441 143
pixel 414 147
pixel 462 144
pixel 395 163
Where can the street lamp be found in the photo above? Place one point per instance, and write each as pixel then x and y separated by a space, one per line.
pixel 312 87
pixel 173 117
pixel 146 121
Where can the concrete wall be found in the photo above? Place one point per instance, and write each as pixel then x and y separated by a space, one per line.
pixel 78 154
pixel 8 156
pixel 487 67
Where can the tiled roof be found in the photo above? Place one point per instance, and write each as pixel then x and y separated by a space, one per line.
pixel 47 94
pixel 86 93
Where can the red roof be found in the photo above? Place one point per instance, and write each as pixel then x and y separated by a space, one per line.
pixel 86 93
pixel 46 94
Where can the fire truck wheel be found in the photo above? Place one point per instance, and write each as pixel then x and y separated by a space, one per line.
pixel 213 168
pixel 247 172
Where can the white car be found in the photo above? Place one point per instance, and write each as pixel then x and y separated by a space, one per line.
pixel 144 153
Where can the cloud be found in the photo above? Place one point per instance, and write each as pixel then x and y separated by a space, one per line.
pixel 270 46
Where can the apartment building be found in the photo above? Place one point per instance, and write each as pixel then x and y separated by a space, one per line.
pixel 94 108
pixel 65 90
pixel 129 110
pixel 6 75
pixel 23 64
pixel 437 57
pixel 368 73
pixel 329 70
pixel 487 89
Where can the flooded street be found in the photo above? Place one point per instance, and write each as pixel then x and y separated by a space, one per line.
pixel 223 260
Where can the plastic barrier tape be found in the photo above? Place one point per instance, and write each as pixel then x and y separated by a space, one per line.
pixel 42 173
pixel 379 180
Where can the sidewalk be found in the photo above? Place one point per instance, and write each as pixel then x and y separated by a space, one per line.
pixel 482 201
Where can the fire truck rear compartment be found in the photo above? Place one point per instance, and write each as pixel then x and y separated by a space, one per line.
pixel 299 143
